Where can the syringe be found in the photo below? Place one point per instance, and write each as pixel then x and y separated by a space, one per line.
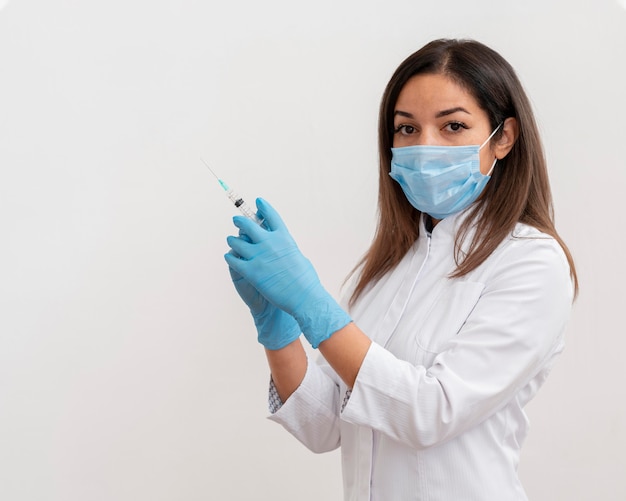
pixel 235 198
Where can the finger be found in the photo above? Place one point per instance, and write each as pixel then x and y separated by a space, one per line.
pixel 240 247
pixel 235 264
pixel 234 275
pixel 244 237
pixel 249 228
pixel 272 219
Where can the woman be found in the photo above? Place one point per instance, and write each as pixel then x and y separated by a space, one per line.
pixel 458 308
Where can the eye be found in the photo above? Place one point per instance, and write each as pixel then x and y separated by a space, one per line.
pixel 455 127
pixel 404 129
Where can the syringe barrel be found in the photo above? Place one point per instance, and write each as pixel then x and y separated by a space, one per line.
pixel 243 207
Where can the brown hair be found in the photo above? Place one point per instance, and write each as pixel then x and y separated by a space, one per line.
pixel 519 189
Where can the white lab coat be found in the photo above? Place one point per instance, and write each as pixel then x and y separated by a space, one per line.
pixel 436 413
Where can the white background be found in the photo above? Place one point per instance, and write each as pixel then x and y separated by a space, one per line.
pixel 129 368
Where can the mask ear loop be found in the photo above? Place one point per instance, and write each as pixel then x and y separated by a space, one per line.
pixel 486 141
pixel 490 136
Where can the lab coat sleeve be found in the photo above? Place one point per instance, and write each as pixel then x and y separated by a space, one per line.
pixel 311 413
pixel 510 337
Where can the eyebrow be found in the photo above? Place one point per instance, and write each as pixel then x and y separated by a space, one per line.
pixel 442 113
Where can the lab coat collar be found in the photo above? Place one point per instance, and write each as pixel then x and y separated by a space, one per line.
pixel 447 228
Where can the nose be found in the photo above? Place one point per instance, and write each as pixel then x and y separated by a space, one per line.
pixel 427 138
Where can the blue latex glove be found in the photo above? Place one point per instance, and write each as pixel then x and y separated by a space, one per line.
pixel 269 259
pixel 275 328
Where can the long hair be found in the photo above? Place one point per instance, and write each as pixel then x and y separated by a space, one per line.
pixel 519 189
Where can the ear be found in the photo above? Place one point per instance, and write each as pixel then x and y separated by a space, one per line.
pixel 507 139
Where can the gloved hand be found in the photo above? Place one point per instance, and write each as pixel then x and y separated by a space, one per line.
pixel 269 259
pixel 275 328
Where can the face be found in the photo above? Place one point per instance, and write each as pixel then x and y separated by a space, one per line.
pixel 434 110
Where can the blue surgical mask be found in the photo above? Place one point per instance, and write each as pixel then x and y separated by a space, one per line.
pixel 440 180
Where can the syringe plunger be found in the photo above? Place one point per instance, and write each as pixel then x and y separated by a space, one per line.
pixel 242 205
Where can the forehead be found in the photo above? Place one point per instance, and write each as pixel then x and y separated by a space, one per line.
pixel 428 92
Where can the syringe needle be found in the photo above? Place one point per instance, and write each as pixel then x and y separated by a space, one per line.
pixel 235 198
pixel 207 165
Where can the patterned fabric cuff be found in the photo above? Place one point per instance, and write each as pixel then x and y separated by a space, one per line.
pixel 274 402
pixel 346 397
